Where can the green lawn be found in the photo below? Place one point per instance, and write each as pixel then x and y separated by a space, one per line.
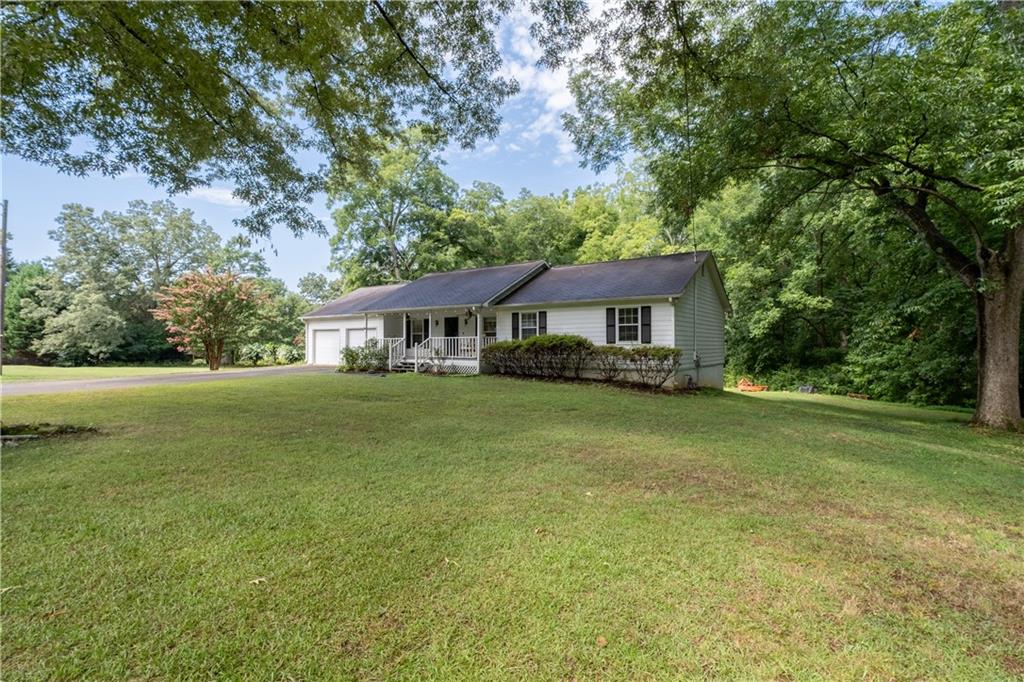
pixel 37 373
pixel 329 526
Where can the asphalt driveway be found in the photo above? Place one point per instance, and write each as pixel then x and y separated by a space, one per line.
pixel 40 387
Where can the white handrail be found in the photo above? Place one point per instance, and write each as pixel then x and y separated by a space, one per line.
pixel 394 346
pixel 454 347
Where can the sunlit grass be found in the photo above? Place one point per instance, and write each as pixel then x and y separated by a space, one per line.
pixel 323 525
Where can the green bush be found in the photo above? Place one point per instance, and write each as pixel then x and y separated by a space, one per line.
pixel 548 355
pixel 610 361
pixel 286 354
pixel 371 357
pixel 654 365
pixel 249 354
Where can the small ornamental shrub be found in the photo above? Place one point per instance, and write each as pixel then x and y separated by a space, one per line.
pixel 350 358
pixel 499 355
pixel 371 357
pixel 654 365
pixel 610 361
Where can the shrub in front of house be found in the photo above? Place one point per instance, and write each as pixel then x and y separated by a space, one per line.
pixel 250 354
pixel 556 356
pixel 371 357
pixel 549 355
pixel 610 361
pixel 654 365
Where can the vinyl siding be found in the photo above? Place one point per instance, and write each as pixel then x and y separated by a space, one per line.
pixel 710 321
pixel 589 320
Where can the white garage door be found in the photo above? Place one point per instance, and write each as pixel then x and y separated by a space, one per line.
pixel 326 346
pixel 357 337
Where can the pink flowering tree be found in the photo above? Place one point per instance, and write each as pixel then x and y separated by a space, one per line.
pixel 205 311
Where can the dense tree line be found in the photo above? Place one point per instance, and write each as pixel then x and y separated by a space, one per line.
pixel 94 301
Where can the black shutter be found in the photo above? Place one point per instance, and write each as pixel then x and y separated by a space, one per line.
pixel 408 333
pixel 609 317
pixel 515 325
pixel 542 322
pixel 645 324
pixel 426 329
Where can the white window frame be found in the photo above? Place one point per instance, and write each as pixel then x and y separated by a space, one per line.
pixel 523 327
pixel 493 331
pixel 423 324
pixel 618 326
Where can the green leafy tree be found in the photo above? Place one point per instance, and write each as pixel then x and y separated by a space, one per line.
pixel 389 210
pixel 205 312
pixel 193 93
pixel 21 330
pixel 317 289
pixel 85 331
pixel 915 105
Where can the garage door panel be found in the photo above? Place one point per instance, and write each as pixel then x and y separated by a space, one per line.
pixel 326 346
pixel 356 338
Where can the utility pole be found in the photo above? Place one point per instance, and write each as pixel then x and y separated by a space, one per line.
pixel 3 281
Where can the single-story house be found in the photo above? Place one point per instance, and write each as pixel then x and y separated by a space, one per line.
pixel 675 300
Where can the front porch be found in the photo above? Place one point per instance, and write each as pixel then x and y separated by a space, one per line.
pixel 445 341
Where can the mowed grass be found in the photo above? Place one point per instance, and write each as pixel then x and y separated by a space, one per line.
pixel 40 373
pixel 327 526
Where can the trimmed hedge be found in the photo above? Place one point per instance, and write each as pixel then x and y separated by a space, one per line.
pixel 556 356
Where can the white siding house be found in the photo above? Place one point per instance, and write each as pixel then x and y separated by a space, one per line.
pixel 677 300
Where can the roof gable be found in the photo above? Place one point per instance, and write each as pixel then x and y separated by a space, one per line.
pixel 476 286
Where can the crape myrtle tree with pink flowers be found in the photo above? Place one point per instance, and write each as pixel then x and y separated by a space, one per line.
pixel 205 312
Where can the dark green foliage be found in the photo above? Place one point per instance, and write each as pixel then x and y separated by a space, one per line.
pixel 557 356
pixel 192 93
pixel 21 330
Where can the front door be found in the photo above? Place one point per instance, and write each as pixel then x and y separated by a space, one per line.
pixel 451 326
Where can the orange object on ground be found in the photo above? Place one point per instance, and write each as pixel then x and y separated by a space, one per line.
pixel 744 385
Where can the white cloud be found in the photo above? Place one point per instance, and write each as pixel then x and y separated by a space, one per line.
pixel 546 91
pixel 513 147
pixel 221 196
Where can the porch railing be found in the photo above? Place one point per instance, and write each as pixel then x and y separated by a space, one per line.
pixel 488 340
pixel 447 347
pixel 396 350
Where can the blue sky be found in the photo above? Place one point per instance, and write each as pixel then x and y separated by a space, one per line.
pixel 531 151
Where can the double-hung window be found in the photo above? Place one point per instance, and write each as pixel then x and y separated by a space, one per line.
pixel 628 325
pixel 528 325
pixel 490 326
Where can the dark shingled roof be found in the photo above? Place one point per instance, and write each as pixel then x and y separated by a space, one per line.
pixel 457 288
pixel 633 278
pixel 351 302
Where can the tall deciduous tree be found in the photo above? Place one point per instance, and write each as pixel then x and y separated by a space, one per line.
pixel 206 311
pixel 192 93
pixel 389 209
pixel 917 105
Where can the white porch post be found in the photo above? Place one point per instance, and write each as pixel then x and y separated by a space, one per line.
pixel 479 338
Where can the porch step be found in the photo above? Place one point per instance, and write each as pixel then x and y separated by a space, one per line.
pixel 403 366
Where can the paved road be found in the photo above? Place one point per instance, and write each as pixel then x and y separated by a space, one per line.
pixel 15 388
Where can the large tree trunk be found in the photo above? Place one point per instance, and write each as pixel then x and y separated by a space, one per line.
pixel 999 316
